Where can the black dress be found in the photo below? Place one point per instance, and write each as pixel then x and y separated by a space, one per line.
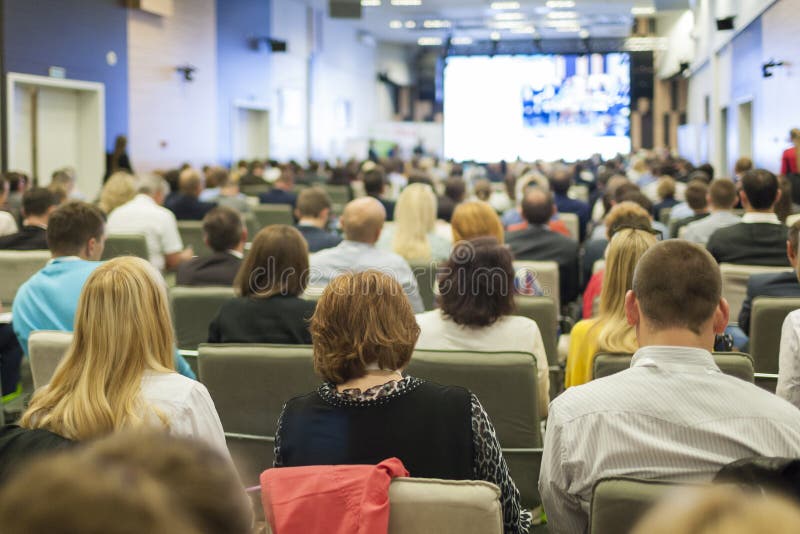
pixel 279 319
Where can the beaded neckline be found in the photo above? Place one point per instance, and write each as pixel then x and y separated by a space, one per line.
pixel 374 396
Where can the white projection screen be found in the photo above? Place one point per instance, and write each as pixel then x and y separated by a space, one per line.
pixel 536 107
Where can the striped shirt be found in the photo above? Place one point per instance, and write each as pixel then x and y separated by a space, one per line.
pixel 672 416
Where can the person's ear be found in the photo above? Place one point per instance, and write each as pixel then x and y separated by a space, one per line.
pixel 721 316
pixel 325 214
pixel 743 198
pixel 632 313
pixel 778 195
pixel 791 253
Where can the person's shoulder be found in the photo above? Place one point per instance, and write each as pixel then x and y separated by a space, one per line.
pixel 429 318
pixel 171 387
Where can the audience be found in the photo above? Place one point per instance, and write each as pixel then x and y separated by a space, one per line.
pixel 682 210
pixel 476 306
pixel 186 205
pixel 313 214
pixel 254 174
pixel 226 193
pixel 696 200
pixel 37 205
pixel 760 239
pixel 539 243
pixel 375 186
pixel 282 191
pixel 722 197
pixel 666 196
pixel 119 189
pixel 673 415
pixel 476 219
pixel 145 215
pixel 560 183
pixel 455 190
pixel 8 225
pixel 268 307
pixel 362 222
pixel 119 371
pixel 225 234
pixel 364 333
pixel 413 235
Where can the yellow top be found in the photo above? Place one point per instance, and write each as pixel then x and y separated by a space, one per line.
pixel 582 348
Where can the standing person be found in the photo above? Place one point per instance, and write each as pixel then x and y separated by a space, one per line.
pixel 790 162
pixel 118 160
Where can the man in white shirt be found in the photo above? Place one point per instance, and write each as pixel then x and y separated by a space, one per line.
pixel 362 221
pixel 145 215
pixel 721 197
pixel 672 416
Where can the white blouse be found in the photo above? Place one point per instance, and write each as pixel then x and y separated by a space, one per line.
pixel 511 333
pixel 789 360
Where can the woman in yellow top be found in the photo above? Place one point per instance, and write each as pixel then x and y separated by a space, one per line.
pixel 609 332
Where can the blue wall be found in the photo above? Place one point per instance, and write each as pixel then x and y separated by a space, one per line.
pixel 76 35
pixel 243 73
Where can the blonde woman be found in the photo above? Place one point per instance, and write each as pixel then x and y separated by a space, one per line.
pixel 476 219
pixel 119 189
pixel 610 331
pixel 119 371
pixel 412 234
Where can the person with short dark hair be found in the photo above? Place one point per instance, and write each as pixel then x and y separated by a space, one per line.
pixel 282 191
pixel 538 243
pixel 364 334
pixel 375 186
pixel 225 234
pixel 268 307
pixel 37 206
pixel 476 309
pixel 186 205
pixel 673 415
pixel 722 196
pixel 455 190
pixel 760 239
pixel 697 203
pixel 313 213
pixel 560 183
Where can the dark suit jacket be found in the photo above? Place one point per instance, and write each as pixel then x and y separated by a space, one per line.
pixel 538 243
pixel 188 208
pixel 767 285
pixel 219 269
pixel 388 205
pixel 278 319
pixel 28 238
pixel 317 238
pixel 578 207
pixel 277 196
pixel 750 244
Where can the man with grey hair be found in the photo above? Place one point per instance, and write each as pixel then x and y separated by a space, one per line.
pixel 145 215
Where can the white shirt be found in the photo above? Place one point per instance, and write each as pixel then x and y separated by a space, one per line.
pixel 700 231
pixel 187 406
pixel 143 216
pixel 8 225
pixel 511 332
pixel 789 360
pixel 673 416
pixel 757 217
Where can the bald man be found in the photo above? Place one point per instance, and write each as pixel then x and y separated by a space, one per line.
pixel 186 205
pixel 362 222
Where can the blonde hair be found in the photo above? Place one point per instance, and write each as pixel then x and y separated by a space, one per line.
pixel 122 329
pixel 475 219
pixel 119 189
pixel 622 255
pixel 414 218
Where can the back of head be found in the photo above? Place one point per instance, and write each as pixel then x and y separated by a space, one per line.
pixel 71 227
pixel 455 189
pixel 63 177
pixel 667 297
pixel 312 201
pixel 223 228
pixel 200 481
pixel 476 219
pixel 415 217
pixel 152 185
pixel 761 188
pixel 190 183
pixel 666 188
pixel 722 193
pixel 708 169
pixel 697 195
pixel 361 319
pixel 362 220
pixel 639 198
pixel 119 189
pixel 698 175
pixel 743 164
pixel 537 206
pixel 95 389
pixel 476 286
pixel 277 264
pixel 375 181
pixel 561 181
pixel 626 215
pixel 38 201
pixel 619 188
pixel 69 493
pixel 217 177
pixel 483 189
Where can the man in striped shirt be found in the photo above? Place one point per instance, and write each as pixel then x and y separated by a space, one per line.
pixel 673 415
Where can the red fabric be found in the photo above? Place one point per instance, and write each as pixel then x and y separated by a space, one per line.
pixel 593 289
pixel 789 161
pixel 555 225
pixel 329 499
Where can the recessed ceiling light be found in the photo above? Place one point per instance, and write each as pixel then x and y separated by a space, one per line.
pixel 560 4
pixel 429 41
pixel 370 3
pixel 396 24
pixel 643 11
pixel 505 5
pixel 562 15
pixel 509 16
pixel 406 2
pixel 572 25
pixel 410 24
pixel 524 29
pixel 509 24
pixel 461 41
pixel 435 23
pixel 494 36
pixel 583 34
pixel 568 29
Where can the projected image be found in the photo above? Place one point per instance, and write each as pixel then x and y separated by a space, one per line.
pixel 536 107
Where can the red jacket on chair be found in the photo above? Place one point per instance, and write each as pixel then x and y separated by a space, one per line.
pixel 329 499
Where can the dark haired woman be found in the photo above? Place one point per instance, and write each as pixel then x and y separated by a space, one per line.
pixel 476 306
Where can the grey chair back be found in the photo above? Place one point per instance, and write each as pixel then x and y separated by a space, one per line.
pixel 249 384
pixel 619 503
pixel 572 222
pixel 267 214
pixel 543 311
pixel 734 283
pixel 546 275
pixel 125 245
pixel 16 266
pixel 736 364
pixel 425 273
pixel 339 195
pixel 766 321
pixel 253 190
pixel 193 308
pixel 192 236
pixel 46 349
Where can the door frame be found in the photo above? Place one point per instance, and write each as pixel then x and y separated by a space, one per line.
pixel 247 105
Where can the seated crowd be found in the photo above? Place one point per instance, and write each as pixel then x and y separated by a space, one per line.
pixel 636 245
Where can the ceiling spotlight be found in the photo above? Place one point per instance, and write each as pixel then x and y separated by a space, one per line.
pixel 396 24
pixel 568 24
pixel 410 24
pixel 494 36
pixel 370 3
pixel 643 11
pixel 509 16
pixel 436 24
pixel 583 34
pixel 524 30
pixel 429 41
pixel 406 2
pixel 461 41
pixel 505 5
pixel 562 15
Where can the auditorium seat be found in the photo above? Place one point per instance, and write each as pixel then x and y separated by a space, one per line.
pixel 546 275
pixel 736 364
pixel 339 195
pixel 267 214
pixel 572 223
pixel 734 284
pixel 619 503
pixel 125 245
pixel 16 266
pixel 192 236
pixel 426 505
pixel 193 308
pixel 663 216
pixel 766 322
pixel 46 349
pixel 253 190
pixel 425 273
pixel 505 383
pixel 249 384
